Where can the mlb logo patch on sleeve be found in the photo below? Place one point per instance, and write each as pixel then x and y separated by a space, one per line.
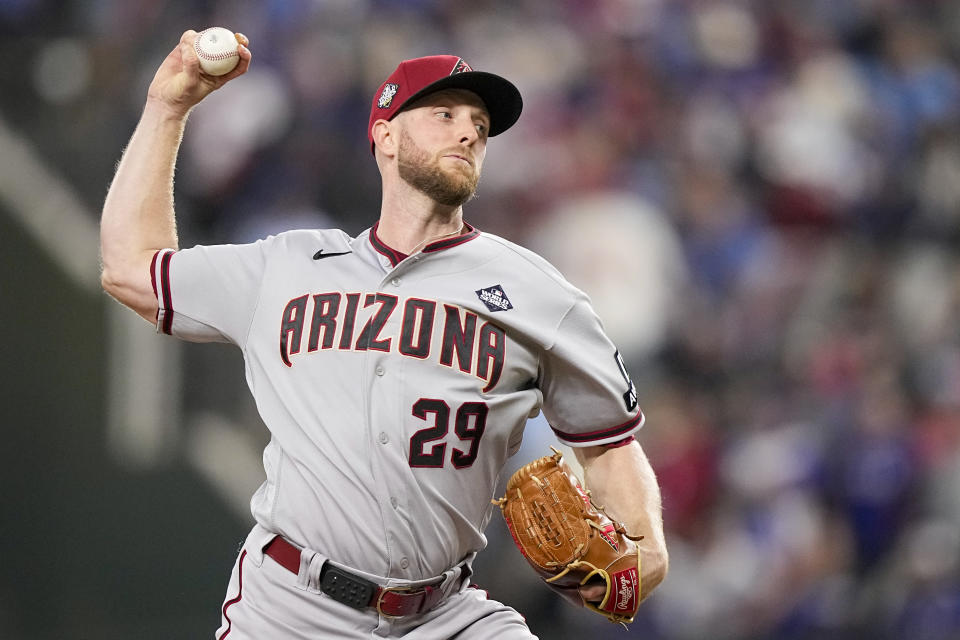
pixel 495 298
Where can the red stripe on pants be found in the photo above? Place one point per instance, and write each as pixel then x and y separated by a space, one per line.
pixel 229 603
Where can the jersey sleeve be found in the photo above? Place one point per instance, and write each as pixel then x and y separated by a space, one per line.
pixel 588 397
pixel 208 293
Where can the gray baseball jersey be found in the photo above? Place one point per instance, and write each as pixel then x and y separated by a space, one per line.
pixel 395 387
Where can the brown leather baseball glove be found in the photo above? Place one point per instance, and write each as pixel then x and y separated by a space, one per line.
pixel 569 541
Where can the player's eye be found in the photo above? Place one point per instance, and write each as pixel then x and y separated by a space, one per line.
pixel 481 128
pixel 444 114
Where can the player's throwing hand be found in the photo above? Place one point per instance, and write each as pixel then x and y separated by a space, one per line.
pixel 179 83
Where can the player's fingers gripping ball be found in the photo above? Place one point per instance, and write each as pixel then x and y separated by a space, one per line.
pixel 569 541
pixel 216 48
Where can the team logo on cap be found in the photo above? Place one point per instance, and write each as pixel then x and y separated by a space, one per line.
pixel 386 96
pixel 495 298
pixel 460 67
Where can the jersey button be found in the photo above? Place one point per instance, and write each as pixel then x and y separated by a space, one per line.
pixel 395 282
pixel 384 438
pixel 404 563
pixel 394 502
pixel 379 371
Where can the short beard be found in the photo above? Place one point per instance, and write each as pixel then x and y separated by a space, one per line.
pixel 420 172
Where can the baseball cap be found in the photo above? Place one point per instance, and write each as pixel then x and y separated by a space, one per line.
pixel 415 78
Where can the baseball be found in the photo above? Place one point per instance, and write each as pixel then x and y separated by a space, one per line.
pixel 216 48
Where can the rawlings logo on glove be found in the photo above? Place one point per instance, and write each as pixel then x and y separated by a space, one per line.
pixel 569 541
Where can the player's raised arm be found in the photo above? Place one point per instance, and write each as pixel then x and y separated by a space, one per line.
pixel 138 216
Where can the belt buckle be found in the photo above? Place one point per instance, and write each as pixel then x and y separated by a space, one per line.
pixel 384 591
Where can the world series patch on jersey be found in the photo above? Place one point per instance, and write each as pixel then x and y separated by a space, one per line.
pixel 408 380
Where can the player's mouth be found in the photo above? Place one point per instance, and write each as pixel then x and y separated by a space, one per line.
pixel 457 156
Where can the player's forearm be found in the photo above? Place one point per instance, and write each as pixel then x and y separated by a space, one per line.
pixel 622 480
pixel 138 214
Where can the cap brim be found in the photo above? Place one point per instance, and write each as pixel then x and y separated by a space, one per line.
pixel 502 99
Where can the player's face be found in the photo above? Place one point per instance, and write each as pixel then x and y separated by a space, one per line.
pixel 442 145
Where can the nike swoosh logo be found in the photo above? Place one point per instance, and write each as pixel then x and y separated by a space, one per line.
pixel 319 255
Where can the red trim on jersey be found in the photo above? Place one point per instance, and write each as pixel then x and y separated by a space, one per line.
pixel 167 297
pixel 469 234
pixel 153 281
pixel 619 443
pixel 230 603
pixel 153 273
pixel 394 256
pixel 600 434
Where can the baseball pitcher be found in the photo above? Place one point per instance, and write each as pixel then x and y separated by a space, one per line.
pixel 395 371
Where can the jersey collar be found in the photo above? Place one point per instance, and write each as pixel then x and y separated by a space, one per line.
pixel 395 257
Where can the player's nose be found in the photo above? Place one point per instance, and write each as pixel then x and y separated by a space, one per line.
pixel 467 139
pixel 468 133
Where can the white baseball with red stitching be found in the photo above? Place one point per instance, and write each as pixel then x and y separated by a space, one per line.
pixel 216 48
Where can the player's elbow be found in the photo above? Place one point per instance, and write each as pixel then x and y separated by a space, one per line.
pixel 127 289
pixel 654 566
pixel 116 265
pixel 110 281
pixel 117 283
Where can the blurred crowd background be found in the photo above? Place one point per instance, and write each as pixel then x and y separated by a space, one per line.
pixel 761 197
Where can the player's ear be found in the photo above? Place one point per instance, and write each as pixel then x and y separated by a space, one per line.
pixel 385 137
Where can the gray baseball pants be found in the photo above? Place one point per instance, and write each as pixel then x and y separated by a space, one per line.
pixel 266 601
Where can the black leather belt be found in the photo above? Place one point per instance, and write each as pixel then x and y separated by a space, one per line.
pixel 355 591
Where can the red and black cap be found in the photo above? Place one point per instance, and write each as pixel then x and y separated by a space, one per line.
pixel 413 79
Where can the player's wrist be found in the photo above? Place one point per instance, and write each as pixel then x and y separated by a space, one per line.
pixel 158 109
